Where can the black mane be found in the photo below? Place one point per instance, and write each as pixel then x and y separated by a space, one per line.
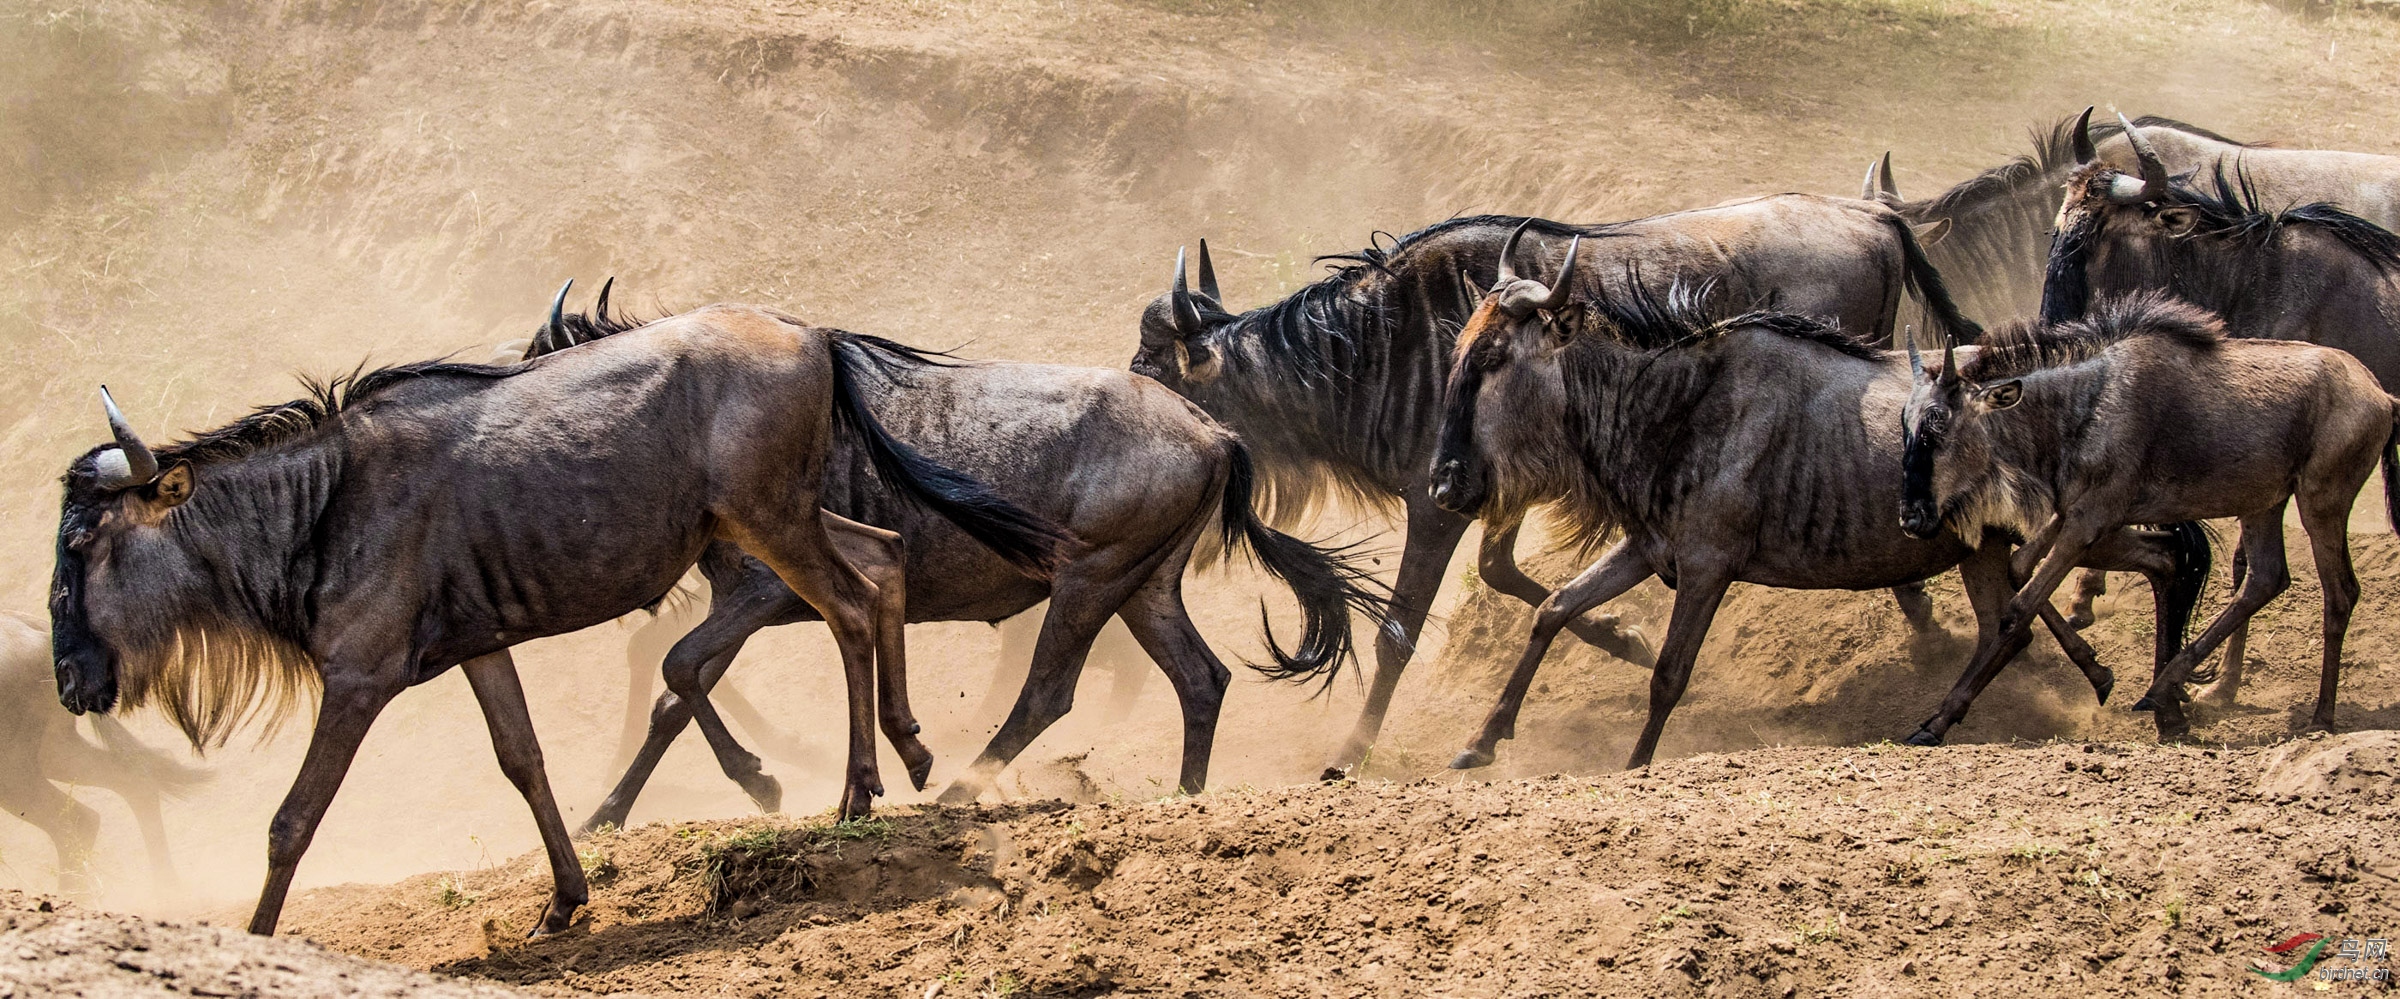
pixel 2234 210
pixel 2023 346
pixel 1646 320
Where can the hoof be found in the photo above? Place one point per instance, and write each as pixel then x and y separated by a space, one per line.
pixel 766 792
pixel 959 793
pixel 857 802
pixel 1333 773
pixel 2145 704
pixel 600 821
pixel 1924 737
pixel 1470 758
pixel 1637 648
pixel 2104 688
pixel 2080 620
pixel 553 923
pixel 919 773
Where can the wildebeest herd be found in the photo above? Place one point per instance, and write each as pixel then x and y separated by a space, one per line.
pixel 1783 390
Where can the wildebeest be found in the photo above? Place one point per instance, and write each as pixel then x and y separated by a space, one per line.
pixel 1764 449
pixel 2310 272
pixel 2001 219
pixel 40 745
pixel 2143 412
pixel 1137 473
pixel 1339 386
pixel 408 519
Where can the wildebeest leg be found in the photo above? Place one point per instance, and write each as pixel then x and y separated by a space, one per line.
pixel 1433 534
pixel 120 763
pixel 1496 564
pixel 1916 606
pixel 1699 589
pixel 668 715
pixel 645 651
pixel 1018 635
pixel 1988 584
pixel 347 709
pixel 2175 586
pixel 1162 625
pixel 1123 656
pixel 1081 599
pixel 71 825
pixel 773 741
pixel 882 557
pixel 800 550
pixel 2059 546
pixel 1619 569
pixel 494 678
pixel 2262 537
pixel 2089 585
pixel 2327 519
pixel 2237 646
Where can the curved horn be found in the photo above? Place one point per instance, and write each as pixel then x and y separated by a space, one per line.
pixel 1889 187
pixel 600 310
pixel 1867 188
pixel 130 463
pixel 2154 170
pixel 1524 302
pixel 1186 314
pixel 2084 153
pixel 1509 249
pixel 1949 357
pixel 558 309
pixel 1208 277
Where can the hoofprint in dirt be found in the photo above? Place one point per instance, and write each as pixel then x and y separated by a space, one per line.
pixel 2082 869
pixel 52 948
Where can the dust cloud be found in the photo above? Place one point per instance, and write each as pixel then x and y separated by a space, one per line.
pixel 200 202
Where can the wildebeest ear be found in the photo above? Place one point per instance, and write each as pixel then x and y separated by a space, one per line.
pixel 1931 232
pixel 2179 220
pixel 176 486
pixel 2001 396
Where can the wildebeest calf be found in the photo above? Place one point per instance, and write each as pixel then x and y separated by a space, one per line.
pixel 2144 412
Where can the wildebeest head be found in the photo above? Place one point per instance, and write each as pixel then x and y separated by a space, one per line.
pixel 111 535
pixel 2112 226
pixel 1177 325
pixel 1514 323
pixel 1945 457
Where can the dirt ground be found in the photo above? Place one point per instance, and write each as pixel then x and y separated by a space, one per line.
pixel 200 200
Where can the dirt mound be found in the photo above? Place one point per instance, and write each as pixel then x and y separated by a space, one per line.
pixel 1979 870
pixel 51 948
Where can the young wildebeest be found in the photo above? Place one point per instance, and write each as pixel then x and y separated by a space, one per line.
pixel 2143 413
pixel 1339 386
pixel 1761 449
pixel 413 518
pixel 2312 272
pixel 1135 471
pixel 40 745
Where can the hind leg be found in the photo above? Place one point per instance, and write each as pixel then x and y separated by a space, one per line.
pixel 1620 569
pixel 2089 585
pixel 1082 597
pixel 121 764
pixel 2262 538
pixel 1496 565
pixel 1917 607
pixel 801 552
pixel 645 651
pixel 2327 520
pixel 882 557
pixel 1118 651
pixel 1157 618
pixel 1018 636
pixel 2228 687
pixel 71 826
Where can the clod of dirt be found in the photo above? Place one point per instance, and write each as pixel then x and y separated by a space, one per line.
pixel 2366 762
pixel 51 948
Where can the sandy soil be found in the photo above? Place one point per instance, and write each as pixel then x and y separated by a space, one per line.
pixel 198 201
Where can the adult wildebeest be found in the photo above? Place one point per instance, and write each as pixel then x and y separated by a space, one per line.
pixel 2001 219
pixel 2144 412
pixel 1137 473
pixel 1339 386
pixel 40 745
pixel 411 518
pixel 2312 272
pixel 1762 449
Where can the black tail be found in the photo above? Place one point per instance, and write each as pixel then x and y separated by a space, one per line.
pixel 1330 586
pixel 2391 464
pixel 1027 540
pixel 1925 283
pixel 2189 543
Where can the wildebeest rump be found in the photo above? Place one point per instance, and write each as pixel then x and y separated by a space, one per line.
pixel 409 519
pixel 1763 449
pixel 39 745
pixel 1136 472
pixel 1339 386
pixel 2145 413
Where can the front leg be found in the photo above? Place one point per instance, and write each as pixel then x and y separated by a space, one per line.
pixel 2269 575
pixel 1621 568
pixel 2009 635
pixel 351 701
pixel 1433 534
pixel 502 697
pixel 1496 564
pixel 1700 589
